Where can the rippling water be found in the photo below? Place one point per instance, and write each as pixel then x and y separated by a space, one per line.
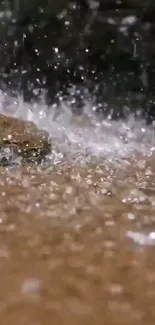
pixel 77 234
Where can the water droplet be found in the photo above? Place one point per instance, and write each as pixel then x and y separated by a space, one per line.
pixel 31 286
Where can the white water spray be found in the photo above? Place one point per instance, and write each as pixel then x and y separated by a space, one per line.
pixel 87 135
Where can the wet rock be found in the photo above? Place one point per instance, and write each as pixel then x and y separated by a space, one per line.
pixel 21 141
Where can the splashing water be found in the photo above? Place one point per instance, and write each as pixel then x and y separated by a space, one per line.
pixel 83 235
pixel 79 248
pixel 88 134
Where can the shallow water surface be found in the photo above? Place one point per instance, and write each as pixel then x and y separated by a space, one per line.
pixel 77 234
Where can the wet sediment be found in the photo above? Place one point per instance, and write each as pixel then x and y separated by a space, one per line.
pixel 77 244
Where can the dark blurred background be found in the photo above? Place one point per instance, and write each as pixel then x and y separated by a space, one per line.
pixel 104 48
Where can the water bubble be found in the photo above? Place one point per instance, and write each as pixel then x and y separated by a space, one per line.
pixel 67 23
pixel 56 50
